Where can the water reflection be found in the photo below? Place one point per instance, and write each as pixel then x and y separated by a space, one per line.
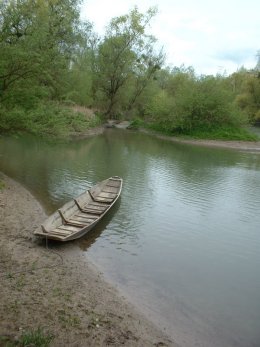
pixel 184 239
pixel 90 238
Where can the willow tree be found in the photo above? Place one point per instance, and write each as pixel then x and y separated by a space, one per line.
pixel 125 55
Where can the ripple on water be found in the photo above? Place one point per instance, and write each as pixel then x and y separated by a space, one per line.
pixel 183 239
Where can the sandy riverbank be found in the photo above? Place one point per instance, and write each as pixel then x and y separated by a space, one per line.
pixel 253 146
pixel 65 296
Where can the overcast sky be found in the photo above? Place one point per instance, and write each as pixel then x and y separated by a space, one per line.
pixel 212 36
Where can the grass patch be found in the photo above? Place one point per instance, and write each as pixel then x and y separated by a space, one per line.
pixel 226 133
pixel 2 185
pixel 34 338
pixel 220 133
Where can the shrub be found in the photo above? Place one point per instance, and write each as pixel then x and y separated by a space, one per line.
pixel 195 105
pixel 50 119
pixel 14 119
pixel 136 123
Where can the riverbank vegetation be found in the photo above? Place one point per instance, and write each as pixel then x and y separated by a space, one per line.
pixel 51 61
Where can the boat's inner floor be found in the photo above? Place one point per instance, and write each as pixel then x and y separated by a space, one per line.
pixel 81 214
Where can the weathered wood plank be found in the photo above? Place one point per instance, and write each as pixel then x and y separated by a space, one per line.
pixel 86 216
pixel 53 235
pixel 69 221
pixel 96 212
pixel 110 190
pixel 104 199
pixel 103 194
pixel 75 222
pixel 95 203
pixel 60 232
pixel 112 184
pixel 81 220
pixel 96 207
pixel 69 228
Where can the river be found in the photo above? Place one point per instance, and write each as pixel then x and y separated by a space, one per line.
pixel 183 240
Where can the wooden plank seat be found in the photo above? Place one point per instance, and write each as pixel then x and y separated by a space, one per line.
pixel 103 197
pixel 70 221
pixel 82 220
pixel 97 206
pixel 64 230
pixel 105 200
pixel 107 195
pixel 112 190
pixel 93 211
pixel 90 211
pixel 86 216
pixel 92 208
pixel 113 184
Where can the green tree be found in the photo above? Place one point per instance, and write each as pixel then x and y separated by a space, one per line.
pixel 37 41
pixel 246 88
pixel 144 71
pixel 249 97
pixel 82 75
pixel 188 104
pixel 124 55
pixel 257 67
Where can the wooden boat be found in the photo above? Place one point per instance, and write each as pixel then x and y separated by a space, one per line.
pixel 80 215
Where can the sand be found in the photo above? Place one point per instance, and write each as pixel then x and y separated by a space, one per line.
pixel 61 293
pixel 250 146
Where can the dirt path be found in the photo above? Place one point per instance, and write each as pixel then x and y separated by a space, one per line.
pixel 63 294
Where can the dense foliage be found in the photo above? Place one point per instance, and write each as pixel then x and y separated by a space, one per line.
pixel 188 104
pixel 50 60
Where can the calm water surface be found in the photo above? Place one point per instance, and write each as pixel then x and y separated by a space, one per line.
pixel 184 238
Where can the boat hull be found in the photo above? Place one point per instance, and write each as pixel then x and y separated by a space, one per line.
pixel 79 216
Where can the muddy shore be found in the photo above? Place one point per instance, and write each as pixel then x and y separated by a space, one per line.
pixel 57 289
pixel 251 146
